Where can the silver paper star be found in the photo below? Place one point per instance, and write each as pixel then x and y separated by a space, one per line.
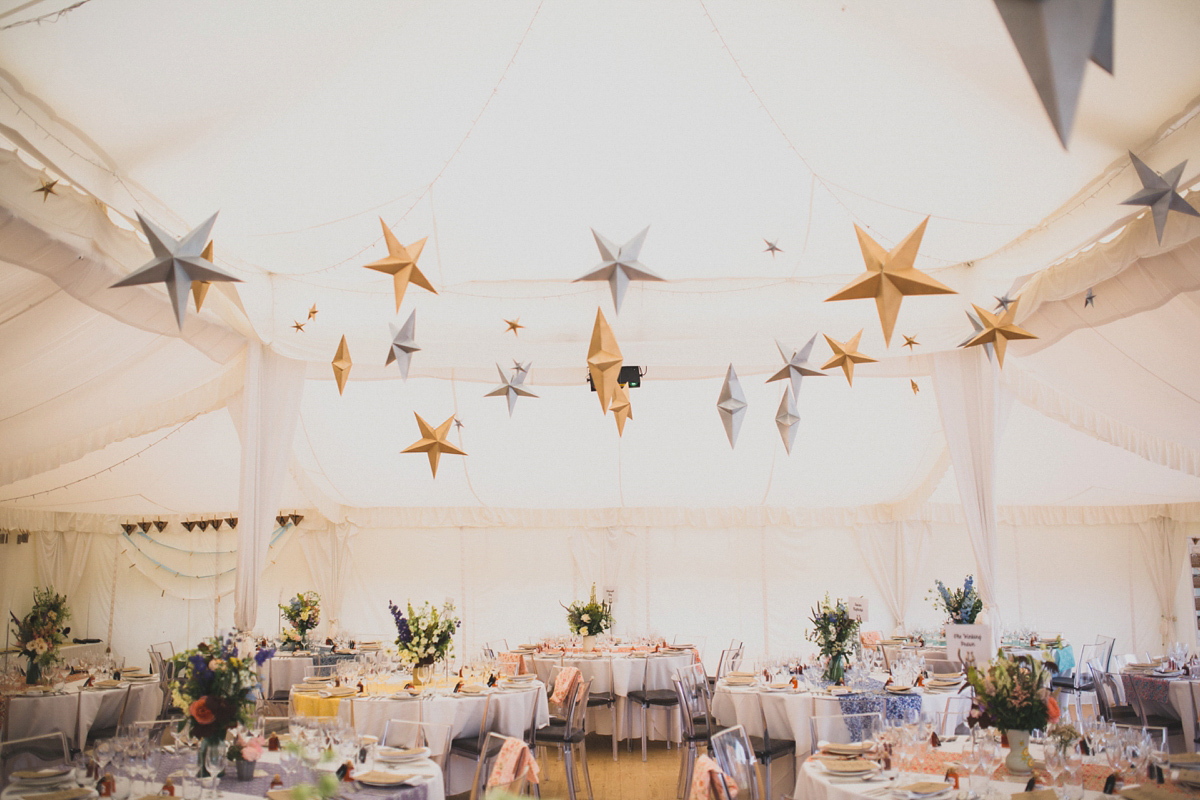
pixel 1160 193
pixel 620 265
pixel 511 388
pixel 458 423
pixel 796 366
pixel 1089 299
pixel 518 367
pixel 978 328
pixel 177 263
pixel 772 247
pixel 731 405
pixel 1056 39
pixel 787 418
pixel 1003 302
pixel 403 344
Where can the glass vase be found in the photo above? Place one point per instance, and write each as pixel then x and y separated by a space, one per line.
pixel 33 673
pixel 836 670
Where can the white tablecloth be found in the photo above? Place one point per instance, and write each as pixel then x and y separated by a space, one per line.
pixel 623 674
pixel 284 672
pixel 77 712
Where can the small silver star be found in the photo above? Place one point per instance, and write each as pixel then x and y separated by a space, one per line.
pixel 772 247
pixel 1090 299
pixel 1003 302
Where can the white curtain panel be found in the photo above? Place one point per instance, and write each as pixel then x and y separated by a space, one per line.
pixel 330 555
pixel 61 558
pixel 1164 547
pixel 895 556
pixel 266 416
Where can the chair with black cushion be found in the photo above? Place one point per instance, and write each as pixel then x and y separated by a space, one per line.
pixel 695 723
pixel 729 661
pixel 33 752
pixel 607 700
pixel 646 698
pixel 1078 681
pixel 1106 647
pixel 732 751
pixel 767 749
pixel 1151 720
pixel 471 747
pixel 1108 696
pixel 571 738
pixel 407 733
pixel 490 748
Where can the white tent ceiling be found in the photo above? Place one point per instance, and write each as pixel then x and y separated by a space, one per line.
pixel 503 132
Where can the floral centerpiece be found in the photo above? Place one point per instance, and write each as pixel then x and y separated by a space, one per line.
pixel 425 636
pixel 962 606
pixel 834 631
pixel 40 632
pixel 303 613
pixel 1013 694
pixel 245 752
pixel 214 686
pixel 589 619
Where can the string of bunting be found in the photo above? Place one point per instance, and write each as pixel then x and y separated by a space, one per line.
pixel 159 565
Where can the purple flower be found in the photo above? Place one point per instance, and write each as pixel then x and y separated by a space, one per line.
pixel 263 655
pixel 403 632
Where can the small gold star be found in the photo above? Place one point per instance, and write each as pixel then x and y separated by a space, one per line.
pixel 513 325
pixel 299 326
pixel 846 355
pixel 915 388
pixel 312 312
pixel 910 342
pixel 47 188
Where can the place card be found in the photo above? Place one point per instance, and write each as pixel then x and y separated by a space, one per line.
pixel 857 608
pixel 969 644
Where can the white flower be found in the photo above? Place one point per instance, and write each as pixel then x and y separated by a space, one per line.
pixel 586 618
pixel 583 631
pixel 39 646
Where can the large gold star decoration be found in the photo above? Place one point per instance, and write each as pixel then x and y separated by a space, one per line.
pixel 401 264
pixel 889 277
pixel 342 364
pixel 47 188
pixel 846 355
pixel 621 407
pixel 997 330
pixel 200 288
pixel 433 442
pixel 513 325
pixel 604 360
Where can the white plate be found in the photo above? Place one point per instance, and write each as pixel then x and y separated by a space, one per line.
pixel 44 783
pixel 391 755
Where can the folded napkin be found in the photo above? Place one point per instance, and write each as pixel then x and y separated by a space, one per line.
pixel 106 684
pixel 706 780
pixel 510 663
pixel 338 691
pixel 1189 759
pixel 933 787
pixel 1147 792
pixel 563 683
pixel 383 778
pixel 512 763
pixel 62 794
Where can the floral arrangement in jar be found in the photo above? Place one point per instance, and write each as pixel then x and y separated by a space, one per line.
pixel 834 632
pixel 303 613
pixel 962 606
pixel 42 631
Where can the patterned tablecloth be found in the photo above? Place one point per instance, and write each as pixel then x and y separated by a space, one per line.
pixel 1149 689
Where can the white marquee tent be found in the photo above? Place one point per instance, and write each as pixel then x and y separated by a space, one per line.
pixel 1068 482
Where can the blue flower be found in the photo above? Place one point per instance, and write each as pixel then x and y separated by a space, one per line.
pixel 263 655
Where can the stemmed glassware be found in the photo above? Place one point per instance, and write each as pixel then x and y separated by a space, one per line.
pixel 214 762
pixel 1056 764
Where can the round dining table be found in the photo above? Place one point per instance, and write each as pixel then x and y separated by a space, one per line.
pixel 75 710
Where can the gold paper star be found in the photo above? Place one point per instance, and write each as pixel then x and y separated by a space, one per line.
pixel 604 360
pixel 910 342
pixel 299 326
pixel 846 355
pixel 513 325
pixel 312 312
pixel 200 288
pixel 401 264
pixel 342 364
pixel 998 329
pixel 433 442
pixel 889 277
pixel 915 388
pixel 47 188
pixel 621 407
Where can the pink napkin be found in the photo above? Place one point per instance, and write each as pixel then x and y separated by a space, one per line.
pixel 510 663
pixel 707 777
pixel 871 637
pixel 513 762
pixel 563 683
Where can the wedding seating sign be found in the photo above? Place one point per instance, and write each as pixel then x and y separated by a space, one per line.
pixel 857 606
pixel 970 644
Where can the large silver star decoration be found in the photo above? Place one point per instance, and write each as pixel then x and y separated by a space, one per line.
pixel 796 366
pixel 1160 193
pixel 1056 39
pixel 978 328
pixel 787 418
pixel 403 344
pixel 177 263
pixel 620 265
pixel 731 405
pixel 511 388
pixel 1089 299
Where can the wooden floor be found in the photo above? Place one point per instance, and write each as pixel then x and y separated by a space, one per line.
pixel 627 779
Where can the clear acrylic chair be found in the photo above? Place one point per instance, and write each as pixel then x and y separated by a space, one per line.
pixel 471 747
pixel 1079 681
pixel 695 715
pixel 695 641
pixel 953 720
pixel 558 710
pixel 1109 696
pixel 496 646
pixel 165 649
pixel 485 765
pixel 734 755
pixel 36 752
pixel 645 698
pixel 571 738
pixel 151 731
pixel 608 700
pixel 407 733
pixel 769 748
pixel 844 728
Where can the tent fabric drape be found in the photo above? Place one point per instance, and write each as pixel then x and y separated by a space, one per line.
pixel 266 415
pixel 329 552
pixel 61 558
pixel 1164 547
pixel 894 554
pixel 969 402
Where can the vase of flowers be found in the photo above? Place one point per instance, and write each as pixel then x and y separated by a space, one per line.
pixel 214 686
pixel 424 636
pixel 962 606
pixel 303 613
pixel 834 631
pixel 589 619
pixel 40 632
pixel 244 753
pixel 1013 694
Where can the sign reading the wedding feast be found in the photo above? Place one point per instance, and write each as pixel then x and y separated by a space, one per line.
pixel 857 607
pixel 969 643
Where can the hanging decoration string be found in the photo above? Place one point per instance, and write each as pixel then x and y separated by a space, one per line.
pixel 215 574
pixel 53 16
pixel 110 468
pixel 461 446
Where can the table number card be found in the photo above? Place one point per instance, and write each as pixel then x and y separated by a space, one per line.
pixel 969 644
pixel 857 606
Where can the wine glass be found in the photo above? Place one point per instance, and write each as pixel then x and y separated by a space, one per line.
pixel 1073 758
pixel 1052 754
pixel 214 762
